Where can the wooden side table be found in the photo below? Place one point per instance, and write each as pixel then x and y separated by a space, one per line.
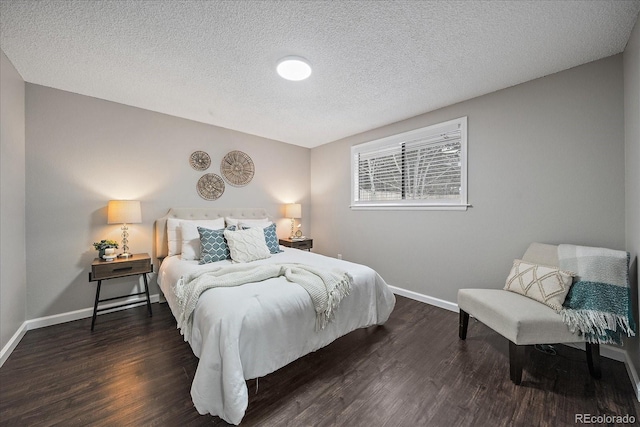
pixel 138 264
pixel 305 243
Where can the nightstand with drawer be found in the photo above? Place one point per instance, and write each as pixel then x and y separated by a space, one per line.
pixel 305 244
pixel 135 265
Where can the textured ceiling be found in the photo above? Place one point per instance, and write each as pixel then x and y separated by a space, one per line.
pixel 374 62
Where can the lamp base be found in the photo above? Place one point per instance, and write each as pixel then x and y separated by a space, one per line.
pixel 125 255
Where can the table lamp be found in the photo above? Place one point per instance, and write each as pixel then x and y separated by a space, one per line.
pixel 124 212
pixel 293 210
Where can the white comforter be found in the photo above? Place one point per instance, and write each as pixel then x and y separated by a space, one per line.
pixel 251 330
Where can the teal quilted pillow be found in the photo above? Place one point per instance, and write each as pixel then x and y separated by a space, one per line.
pixel 213 246
pixel 271 238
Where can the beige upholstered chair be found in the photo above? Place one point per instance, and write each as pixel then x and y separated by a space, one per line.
pixel 523 321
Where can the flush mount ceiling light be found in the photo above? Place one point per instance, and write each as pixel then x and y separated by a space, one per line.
pixel 293 68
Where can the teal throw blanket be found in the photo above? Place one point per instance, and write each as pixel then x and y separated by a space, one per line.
pixel 598 304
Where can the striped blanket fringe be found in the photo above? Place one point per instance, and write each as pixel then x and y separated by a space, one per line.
pixel 605 328
pixel 339 291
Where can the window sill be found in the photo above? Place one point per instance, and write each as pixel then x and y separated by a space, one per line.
pixel 387 207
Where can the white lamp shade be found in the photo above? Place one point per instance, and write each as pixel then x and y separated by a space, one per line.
pixel 124 212
pixel 293 210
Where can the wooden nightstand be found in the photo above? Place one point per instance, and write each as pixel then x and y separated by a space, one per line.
pixel 138 264
pixel 305 243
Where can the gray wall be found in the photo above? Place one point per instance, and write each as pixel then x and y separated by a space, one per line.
pixel 12 200
pixel 632 168
pixel 546 164
pixel 82 152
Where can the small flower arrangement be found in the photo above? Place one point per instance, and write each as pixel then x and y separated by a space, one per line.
pixel 104 244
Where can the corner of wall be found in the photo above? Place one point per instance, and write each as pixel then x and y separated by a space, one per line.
pixel 631 71
pixel 13 280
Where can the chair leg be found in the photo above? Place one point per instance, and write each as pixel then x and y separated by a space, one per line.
pixel 464 324
pixel 593 360
pixel 516 360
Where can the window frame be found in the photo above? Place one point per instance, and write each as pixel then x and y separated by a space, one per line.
pixel 460 203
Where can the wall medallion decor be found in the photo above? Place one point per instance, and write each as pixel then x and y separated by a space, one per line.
pixel 210 186
pixel 237 168
pixel 199 160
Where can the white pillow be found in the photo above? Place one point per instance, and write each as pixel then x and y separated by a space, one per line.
pixel 191 237
pixel 247 245
pixel 174 236
pixel 262 224
pixel 548 285
pixel 249 222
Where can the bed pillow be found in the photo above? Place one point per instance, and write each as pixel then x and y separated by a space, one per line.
pixel 191 237
pixel 249 222
pixel 271 238
pixel 174 236
pixel 247 245
pixel 270 235
pixel 260 224
pixel 548 285
pixel 213 245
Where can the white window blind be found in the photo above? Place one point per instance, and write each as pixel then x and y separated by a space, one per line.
pixel 425 168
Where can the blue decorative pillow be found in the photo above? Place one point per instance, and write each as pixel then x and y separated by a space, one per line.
pixel 213 246
pixel 271 238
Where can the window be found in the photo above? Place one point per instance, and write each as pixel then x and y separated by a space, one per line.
pixel 425 168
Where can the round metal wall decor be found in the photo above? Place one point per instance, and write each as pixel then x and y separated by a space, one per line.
pixel 237 168
pixel 199 160
pixel 210 186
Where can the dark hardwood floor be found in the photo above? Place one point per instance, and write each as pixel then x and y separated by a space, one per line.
pixel 414 371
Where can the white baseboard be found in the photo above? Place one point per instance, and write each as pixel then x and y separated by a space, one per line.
pixel 70 316
pixel 610 352
pixel 607 351
pixel 13 343
pixel 621 355
pixel 425 298
pixel 631 370
pixel 633 374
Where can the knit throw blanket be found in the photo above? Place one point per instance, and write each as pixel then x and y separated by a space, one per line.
pixel 326 288
pixel 598 304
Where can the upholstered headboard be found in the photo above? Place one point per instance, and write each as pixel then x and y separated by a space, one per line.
pixel 162 243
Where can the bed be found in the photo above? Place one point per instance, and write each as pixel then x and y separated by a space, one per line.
pixel 248 331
